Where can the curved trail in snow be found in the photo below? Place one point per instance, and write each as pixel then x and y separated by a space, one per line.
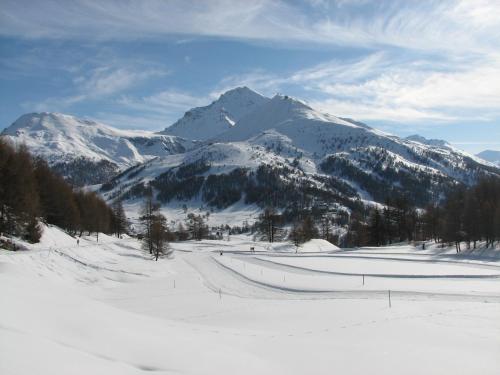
pixel 95 266
pixel 284 266
pixel 383 258
pixel 221 278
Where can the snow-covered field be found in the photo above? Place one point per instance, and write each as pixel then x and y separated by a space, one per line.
pixel 108 309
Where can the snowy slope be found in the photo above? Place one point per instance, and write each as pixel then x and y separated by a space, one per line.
pixel 87 152
pixel 286 115
pixel 206 122
pixel 278 145
pixel 492 156
pixel 426 141
pixel 109 309
pixel 319 134
pixel 58 137
pixel 284 146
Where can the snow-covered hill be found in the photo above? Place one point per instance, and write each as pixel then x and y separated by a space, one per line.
pixel 286 153
pixel 72 145
pixel 107 308
pixel 206 122
pixel 252 150
pixel 429 142
pixel 492 156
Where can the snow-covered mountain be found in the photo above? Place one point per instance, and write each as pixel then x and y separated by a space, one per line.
pixel 288 154
pixel 492 156
pixel 206 122
pixel 76 147
pixel 426 141
pixel 252 149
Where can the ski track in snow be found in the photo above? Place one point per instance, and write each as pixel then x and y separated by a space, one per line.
pixel 386 275
pixel 343 294
pixel 112 310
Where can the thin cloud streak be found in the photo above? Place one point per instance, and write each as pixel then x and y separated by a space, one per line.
pixel 383 87
pixel 147 122
pixel 420 61
pixel 97 83
pixel 453 25
pixel 167 103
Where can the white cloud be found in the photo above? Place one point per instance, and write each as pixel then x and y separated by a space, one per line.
pixel 108 80
pixel 381 86
pixel 360 110
pixel 148 121
pixel 400 91
pixel 481 13
pixel 55 104
pixel 424 25
pixel 258 80
pixel 167 105
pixel 429 60
pixel 98 82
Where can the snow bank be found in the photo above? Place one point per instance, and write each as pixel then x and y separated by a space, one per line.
pixel 317 245
pixel 313 246
pixel 53 236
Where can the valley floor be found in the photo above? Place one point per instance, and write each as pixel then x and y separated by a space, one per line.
pixel 108 309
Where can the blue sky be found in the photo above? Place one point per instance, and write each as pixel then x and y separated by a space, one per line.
pixel 427 67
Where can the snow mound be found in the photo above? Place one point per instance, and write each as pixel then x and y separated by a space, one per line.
pixel 53 236
pixel 317 245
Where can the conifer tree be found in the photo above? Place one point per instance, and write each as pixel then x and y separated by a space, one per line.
pixel 376 228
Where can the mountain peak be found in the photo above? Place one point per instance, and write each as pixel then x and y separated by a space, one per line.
pixel 46 121
pixel 203 123
pixel 290 101
pixel 291 118
pixel 239 91
pixel 59 137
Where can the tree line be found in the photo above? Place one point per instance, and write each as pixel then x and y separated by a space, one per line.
pixel 31 192
pixel 466 214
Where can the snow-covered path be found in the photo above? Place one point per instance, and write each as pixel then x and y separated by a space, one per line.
pixel 108 309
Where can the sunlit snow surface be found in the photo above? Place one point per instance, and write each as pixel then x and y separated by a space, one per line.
pixel 57 137
pixel 108 309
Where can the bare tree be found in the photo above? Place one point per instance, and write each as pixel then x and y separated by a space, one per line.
pixel 148 212
pixel 197 226
pixel 119 219
pixel 268 223
pixel 159 235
